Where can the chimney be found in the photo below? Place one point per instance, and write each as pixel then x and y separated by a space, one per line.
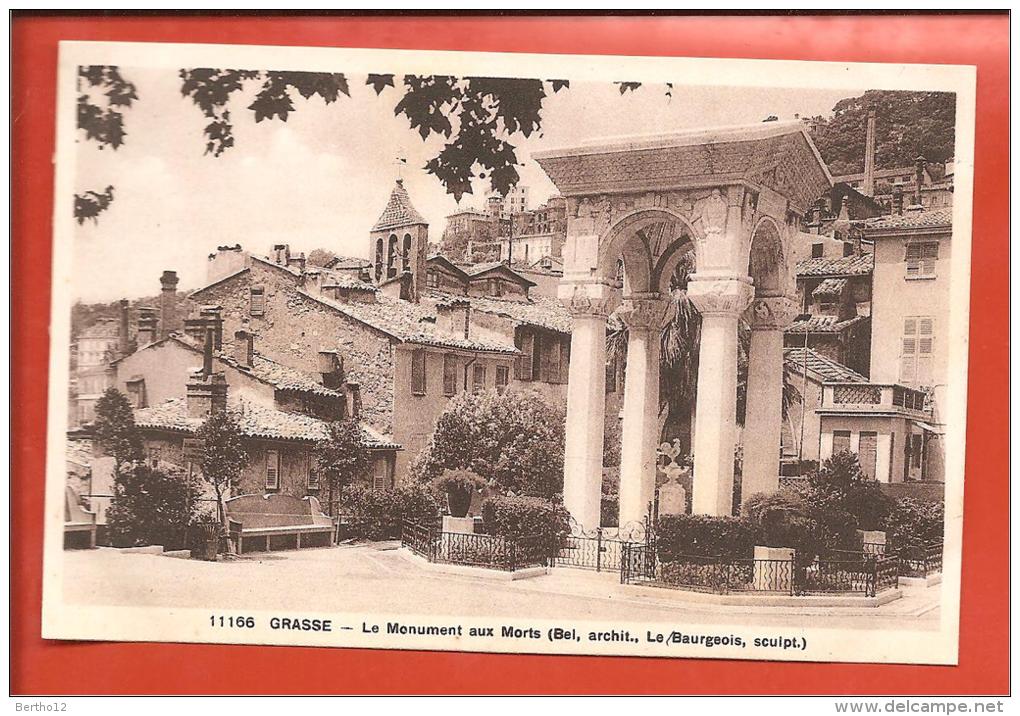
pixel 244 348
pixel 168 303
pixel 281 254
pixel 212 317
pixel 206 394
pixel 297 262
pixel 331 368
pixel 311 281
pixel 897 199
pixel 207 352
pixel 919 165
pixel 454 317
pixel 146 325
pixel 122 331
pixel 869 157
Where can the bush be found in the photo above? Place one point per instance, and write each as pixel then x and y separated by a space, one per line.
pixel 785 519
pixel 610 515
pixel 379 514
pixel 150 506
pixel 912 523
pixel 840 484
pixel 527 517
pixel 703 536
pixel 514 440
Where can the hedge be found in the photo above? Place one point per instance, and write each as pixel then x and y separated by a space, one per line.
pixel 379 514
pixel 703 536
pixel 527 517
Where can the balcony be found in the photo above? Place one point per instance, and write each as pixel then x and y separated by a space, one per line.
pixel 874 398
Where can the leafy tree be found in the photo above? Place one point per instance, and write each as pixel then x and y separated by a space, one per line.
pixel 102 120
pixel 115 427
pixel 151 505
pixel 513 440
pixel 341 457
pixel 906 124
pixel 224 454
pixel 320 257
pixel 91 204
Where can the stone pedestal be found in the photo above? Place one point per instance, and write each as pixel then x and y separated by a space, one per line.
pixel 773 569
pixel 763 423
pixel 461 525
pixel 873 541
pixel 721 303
pixel 672 499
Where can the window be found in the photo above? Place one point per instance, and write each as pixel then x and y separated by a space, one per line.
pixel 840 441
pixel 418 372
pixel 523 366
pixel 868 453
pixel 916 444
pixel 155 455
pixel 136 392
pixel 258 301
pixel 495 287
pixel 502 377
pixel 916 354
pixel 449 375
pixel 381 474
pixel 432 279
pixel 478 379
pixel 921 257
pixel 817 250
pixel 272 470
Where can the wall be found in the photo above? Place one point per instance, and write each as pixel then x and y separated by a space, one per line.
pixel 895 298
pixel 414 416
pixel 811 394
pixel 295 328
pixel 892 432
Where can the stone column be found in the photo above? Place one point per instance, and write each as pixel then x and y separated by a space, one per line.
pixel 586 405
pixel 644 314
pixel 721 302
pixel 763 419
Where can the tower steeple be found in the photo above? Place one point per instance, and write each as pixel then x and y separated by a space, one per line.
pixel 399 240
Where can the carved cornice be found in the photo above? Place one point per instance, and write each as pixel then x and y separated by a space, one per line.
pixel 645 311
pixel 723 296
pixel 773 313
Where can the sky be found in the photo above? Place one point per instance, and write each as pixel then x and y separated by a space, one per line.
pixel 321 179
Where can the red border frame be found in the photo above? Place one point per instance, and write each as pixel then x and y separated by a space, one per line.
pixel 39 666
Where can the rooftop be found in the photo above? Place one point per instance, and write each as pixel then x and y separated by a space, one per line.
pixel 830 287
pixel 825 369
pixel 918 219
pixel 540 311
pixel 256 421
pixel 823 324
pixel 409 323
pixel 103 328
pixel 858 265
pixel 399 211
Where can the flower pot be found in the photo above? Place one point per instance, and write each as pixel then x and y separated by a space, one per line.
pixel 459 502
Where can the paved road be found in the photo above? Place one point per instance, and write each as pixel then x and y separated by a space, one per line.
pixel 363 579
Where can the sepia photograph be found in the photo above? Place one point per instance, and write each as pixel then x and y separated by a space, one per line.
pixel 509 353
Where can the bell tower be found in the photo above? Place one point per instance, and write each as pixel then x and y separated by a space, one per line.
pixel 398 244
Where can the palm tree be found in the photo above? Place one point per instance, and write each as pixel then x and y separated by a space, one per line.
pixel 681 339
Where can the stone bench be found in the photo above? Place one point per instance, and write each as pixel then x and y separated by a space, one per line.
pixel 79 523
pixel 265 522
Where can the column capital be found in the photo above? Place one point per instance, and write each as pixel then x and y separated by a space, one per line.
pixel 720 296
pixel 772 313
pixel 587 300
pixel 647 311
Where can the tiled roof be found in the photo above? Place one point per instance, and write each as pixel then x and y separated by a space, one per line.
pixel 265 369
pixel 830 287
pixel 256 421
pixel 858 265
pixel 475 270
pixel 399 211
pixel 410 323
pixel 539 311
pixel 823 324
pixel 347 262
pixel 826 368
pixel 912 219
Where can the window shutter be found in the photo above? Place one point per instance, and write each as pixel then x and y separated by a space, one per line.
pixel 449 375
pixel 524 362
pixel 418 372
pixel 258 301
pixel 272 470
pixel 925 346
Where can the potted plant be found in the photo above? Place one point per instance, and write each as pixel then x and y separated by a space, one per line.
pixel 459 486
pixel 206 533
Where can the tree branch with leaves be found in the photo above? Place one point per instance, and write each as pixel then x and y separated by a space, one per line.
pixel 224 455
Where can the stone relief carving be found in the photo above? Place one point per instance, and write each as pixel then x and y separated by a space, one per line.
pixel 720 296
pixel 646 313
pixel 772 313
pixel 712 213
pixel 581 303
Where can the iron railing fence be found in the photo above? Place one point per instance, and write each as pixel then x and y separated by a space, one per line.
pixel 920 561
pixel 598 551
pixel 863 574
pixel 477 550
